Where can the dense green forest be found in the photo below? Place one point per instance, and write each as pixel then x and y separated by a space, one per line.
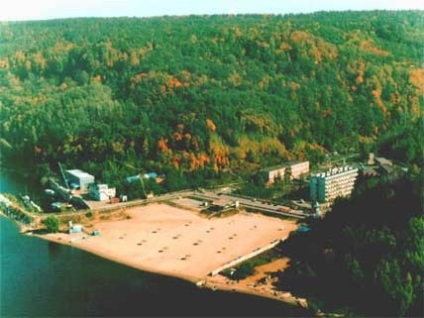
pixel 200 96
pixel 366 256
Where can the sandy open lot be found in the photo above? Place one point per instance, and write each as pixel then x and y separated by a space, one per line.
pixel 172 241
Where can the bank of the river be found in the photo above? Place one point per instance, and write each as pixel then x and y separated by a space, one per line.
pixel 162 239
pixel 44 279
pixel 214 283
pixel 24 299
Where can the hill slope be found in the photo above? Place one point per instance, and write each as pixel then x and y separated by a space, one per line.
pixel 209 93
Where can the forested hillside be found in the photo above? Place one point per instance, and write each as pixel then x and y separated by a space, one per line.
pixel 208 94
pixel 366 256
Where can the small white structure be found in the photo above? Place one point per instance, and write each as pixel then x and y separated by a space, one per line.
pixel 101 192
pixel 76 228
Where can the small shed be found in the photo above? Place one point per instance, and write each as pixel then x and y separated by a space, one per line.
pixel 76 228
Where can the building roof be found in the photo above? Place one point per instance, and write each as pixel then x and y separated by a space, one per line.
pixel 334 172
pixel 282 166
pixel 384 161
pixel 79 173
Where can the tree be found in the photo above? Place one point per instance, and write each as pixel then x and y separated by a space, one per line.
pixel 243 271
pixel 135 190
pixel 242 91
pixel 52 224
pixel 365 252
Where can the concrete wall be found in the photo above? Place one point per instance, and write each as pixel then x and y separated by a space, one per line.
pixel 244 258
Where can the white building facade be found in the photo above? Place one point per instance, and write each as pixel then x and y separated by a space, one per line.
pixel 101 192
pixel 337 182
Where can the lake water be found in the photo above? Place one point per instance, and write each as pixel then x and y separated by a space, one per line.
pixel 44 279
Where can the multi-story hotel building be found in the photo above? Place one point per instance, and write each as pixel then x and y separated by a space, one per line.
pixel 337 182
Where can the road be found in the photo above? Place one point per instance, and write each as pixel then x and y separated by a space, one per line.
pixel 212 196
pixel 248 203
pixel 251 204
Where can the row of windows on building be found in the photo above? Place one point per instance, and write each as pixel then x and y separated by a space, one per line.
pixel 327 186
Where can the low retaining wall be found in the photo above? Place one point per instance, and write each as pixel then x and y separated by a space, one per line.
pixel 245 257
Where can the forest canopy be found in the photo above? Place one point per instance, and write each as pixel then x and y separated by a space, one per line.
pixel 209 94
pixel 366 257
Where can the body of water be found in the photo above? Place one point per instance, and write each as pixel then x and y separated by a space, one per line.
pixel 44 279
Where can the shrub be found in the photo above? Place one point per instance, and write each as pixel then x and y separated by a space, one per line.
pixel 52 224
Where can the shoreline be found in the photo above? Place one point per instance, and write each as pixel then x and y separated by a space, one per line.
pixel 215 283
pixel 48 237
pixel 162 239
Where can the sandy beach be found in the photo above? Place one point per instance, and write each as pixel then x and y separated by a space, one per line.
pixel 172 241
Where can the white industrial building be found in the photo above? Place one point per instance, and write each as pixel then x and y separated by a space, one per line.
pixel 79 179
pixel 101 192
pixel 337 182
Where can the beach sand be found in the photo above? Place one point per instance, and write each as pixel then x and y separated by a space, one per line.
pixel 172 241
